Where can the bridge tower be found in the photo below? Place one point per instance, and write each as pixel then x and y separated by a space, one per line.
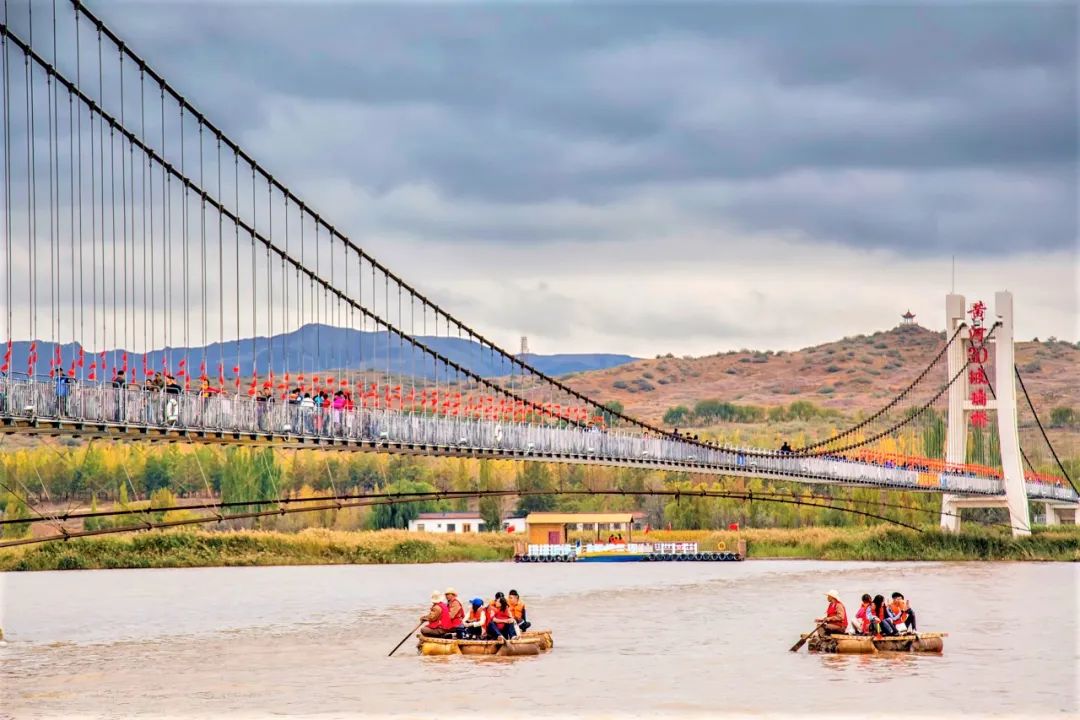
pixel 1002 401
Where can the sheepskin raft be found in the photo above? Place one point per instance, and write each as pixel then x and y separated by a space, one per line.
pixel 531 643
pixel 866 645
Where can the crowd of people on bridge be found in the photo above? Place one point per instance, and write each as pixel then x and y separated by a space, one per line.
pixel 498 619
pixel 334 412
pixel 875 617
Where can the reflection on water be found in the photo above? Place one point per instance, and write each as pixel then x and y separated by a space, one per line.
pixel 630 639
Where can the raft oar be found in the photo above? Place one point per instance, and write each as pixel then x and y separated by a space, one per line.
pixel 405 638
pixel 802 641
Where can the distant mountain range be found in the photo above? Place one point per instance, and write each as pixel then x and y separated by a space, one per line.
pixel 316 348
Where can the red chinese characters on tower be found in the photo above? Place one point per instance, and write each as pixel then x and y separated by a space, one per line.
pixel 977 354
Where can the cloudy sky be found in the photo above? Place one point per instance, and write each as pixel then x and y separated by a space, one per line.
pixel 650 178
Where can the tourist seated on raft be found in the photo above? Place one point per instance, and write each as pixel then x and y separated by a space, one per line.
pixel 867 621
pixel 437 622
pixel 836 617
pixel 457 612
pixel 881 614
pixel 501 621
pixel 900 615
pixel 476 620
pixel 517 609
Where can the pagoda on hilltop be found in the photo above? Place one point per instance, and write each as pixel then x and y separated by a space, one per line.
pixel 907 318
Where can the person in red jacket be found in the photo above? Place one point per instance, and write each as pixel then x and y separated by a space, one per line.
pixel 501 619
pixel 437 622
pixel 457 612
pixel 836 619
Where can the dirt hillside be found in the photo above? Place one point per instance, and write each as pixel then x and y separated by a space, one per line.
pixel 856 373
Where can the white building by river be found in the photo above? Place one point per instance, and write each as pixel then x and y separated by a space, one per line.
pixel 447 522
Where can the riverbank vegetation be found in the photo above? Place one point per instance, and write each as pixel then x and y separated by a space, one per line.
pixel 160 482
pixel 200 548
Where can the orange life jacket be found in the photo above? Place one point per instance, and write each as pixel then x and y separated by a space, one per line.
pixel 456 613
pixel 517 609
pixel 837 608
pixel 478 615
pixel 895 609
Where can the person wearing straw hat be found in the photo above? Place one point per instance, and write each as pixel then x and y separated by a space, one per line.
pixel 457 612
pixel 437 620
pixel 836 618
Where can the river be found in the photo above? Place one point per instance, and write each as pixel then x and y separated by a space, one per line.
pixel 630 639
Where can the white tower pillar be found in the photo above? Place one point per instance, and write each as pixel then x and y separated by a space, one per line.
pixel 956 421
pixel 1008 431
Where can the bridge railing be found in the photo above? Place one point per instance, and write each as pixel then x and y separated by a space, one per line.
pixel 175 409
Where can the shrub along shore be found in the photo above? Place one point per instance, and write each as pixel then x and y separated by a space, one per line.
pixel 325 547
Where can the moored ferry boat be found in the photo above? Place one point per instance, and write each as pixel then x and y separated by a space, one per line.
pixel 624 552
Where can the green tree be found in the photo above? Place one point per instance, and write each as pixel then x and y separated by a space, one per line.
pixel 15 509
pixel 158 472
pixel 934 437
pixel 535 478
pixel 1061 417
pixel 612 406
pixel 399 515
pixel 677 415
pixel 490 506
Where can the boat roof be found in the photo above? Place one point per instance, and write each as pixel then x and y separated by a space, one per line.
pixel 552 518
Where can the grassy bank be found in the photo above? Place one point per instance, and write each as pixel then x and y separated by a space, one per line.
pixel 255 547
pixel 325 547
pixel 884 542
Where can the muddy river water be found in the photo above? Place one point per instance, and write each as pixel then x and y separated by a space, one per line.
pixel 658 639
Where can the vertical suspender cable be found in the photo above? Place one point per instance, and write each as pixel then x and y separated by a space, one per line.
pixel 185 308
pixel 288 316
pixel 79 172
pixel 166 229
pixel 236 229
pixel 146 193
pixel 7 203
pixel 52 211
pixel 100 357
pixel 205 267
pixel 124 234
pixel 270 284
pixel 31 202
pixel 254 294
pixel 221 279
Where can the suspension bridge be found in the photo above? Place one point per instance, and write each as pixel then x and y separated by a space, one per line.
pixel 160 284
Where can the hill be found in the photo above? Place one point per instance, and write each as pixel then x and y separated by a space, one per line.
pixel 852 374
pixel 317 347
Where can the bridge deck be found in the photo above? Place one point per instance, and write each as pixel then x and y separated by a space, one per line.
pixel 100 411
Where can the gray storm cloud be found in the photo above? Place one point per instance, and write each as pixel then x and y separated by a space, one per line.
pixel 656 138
